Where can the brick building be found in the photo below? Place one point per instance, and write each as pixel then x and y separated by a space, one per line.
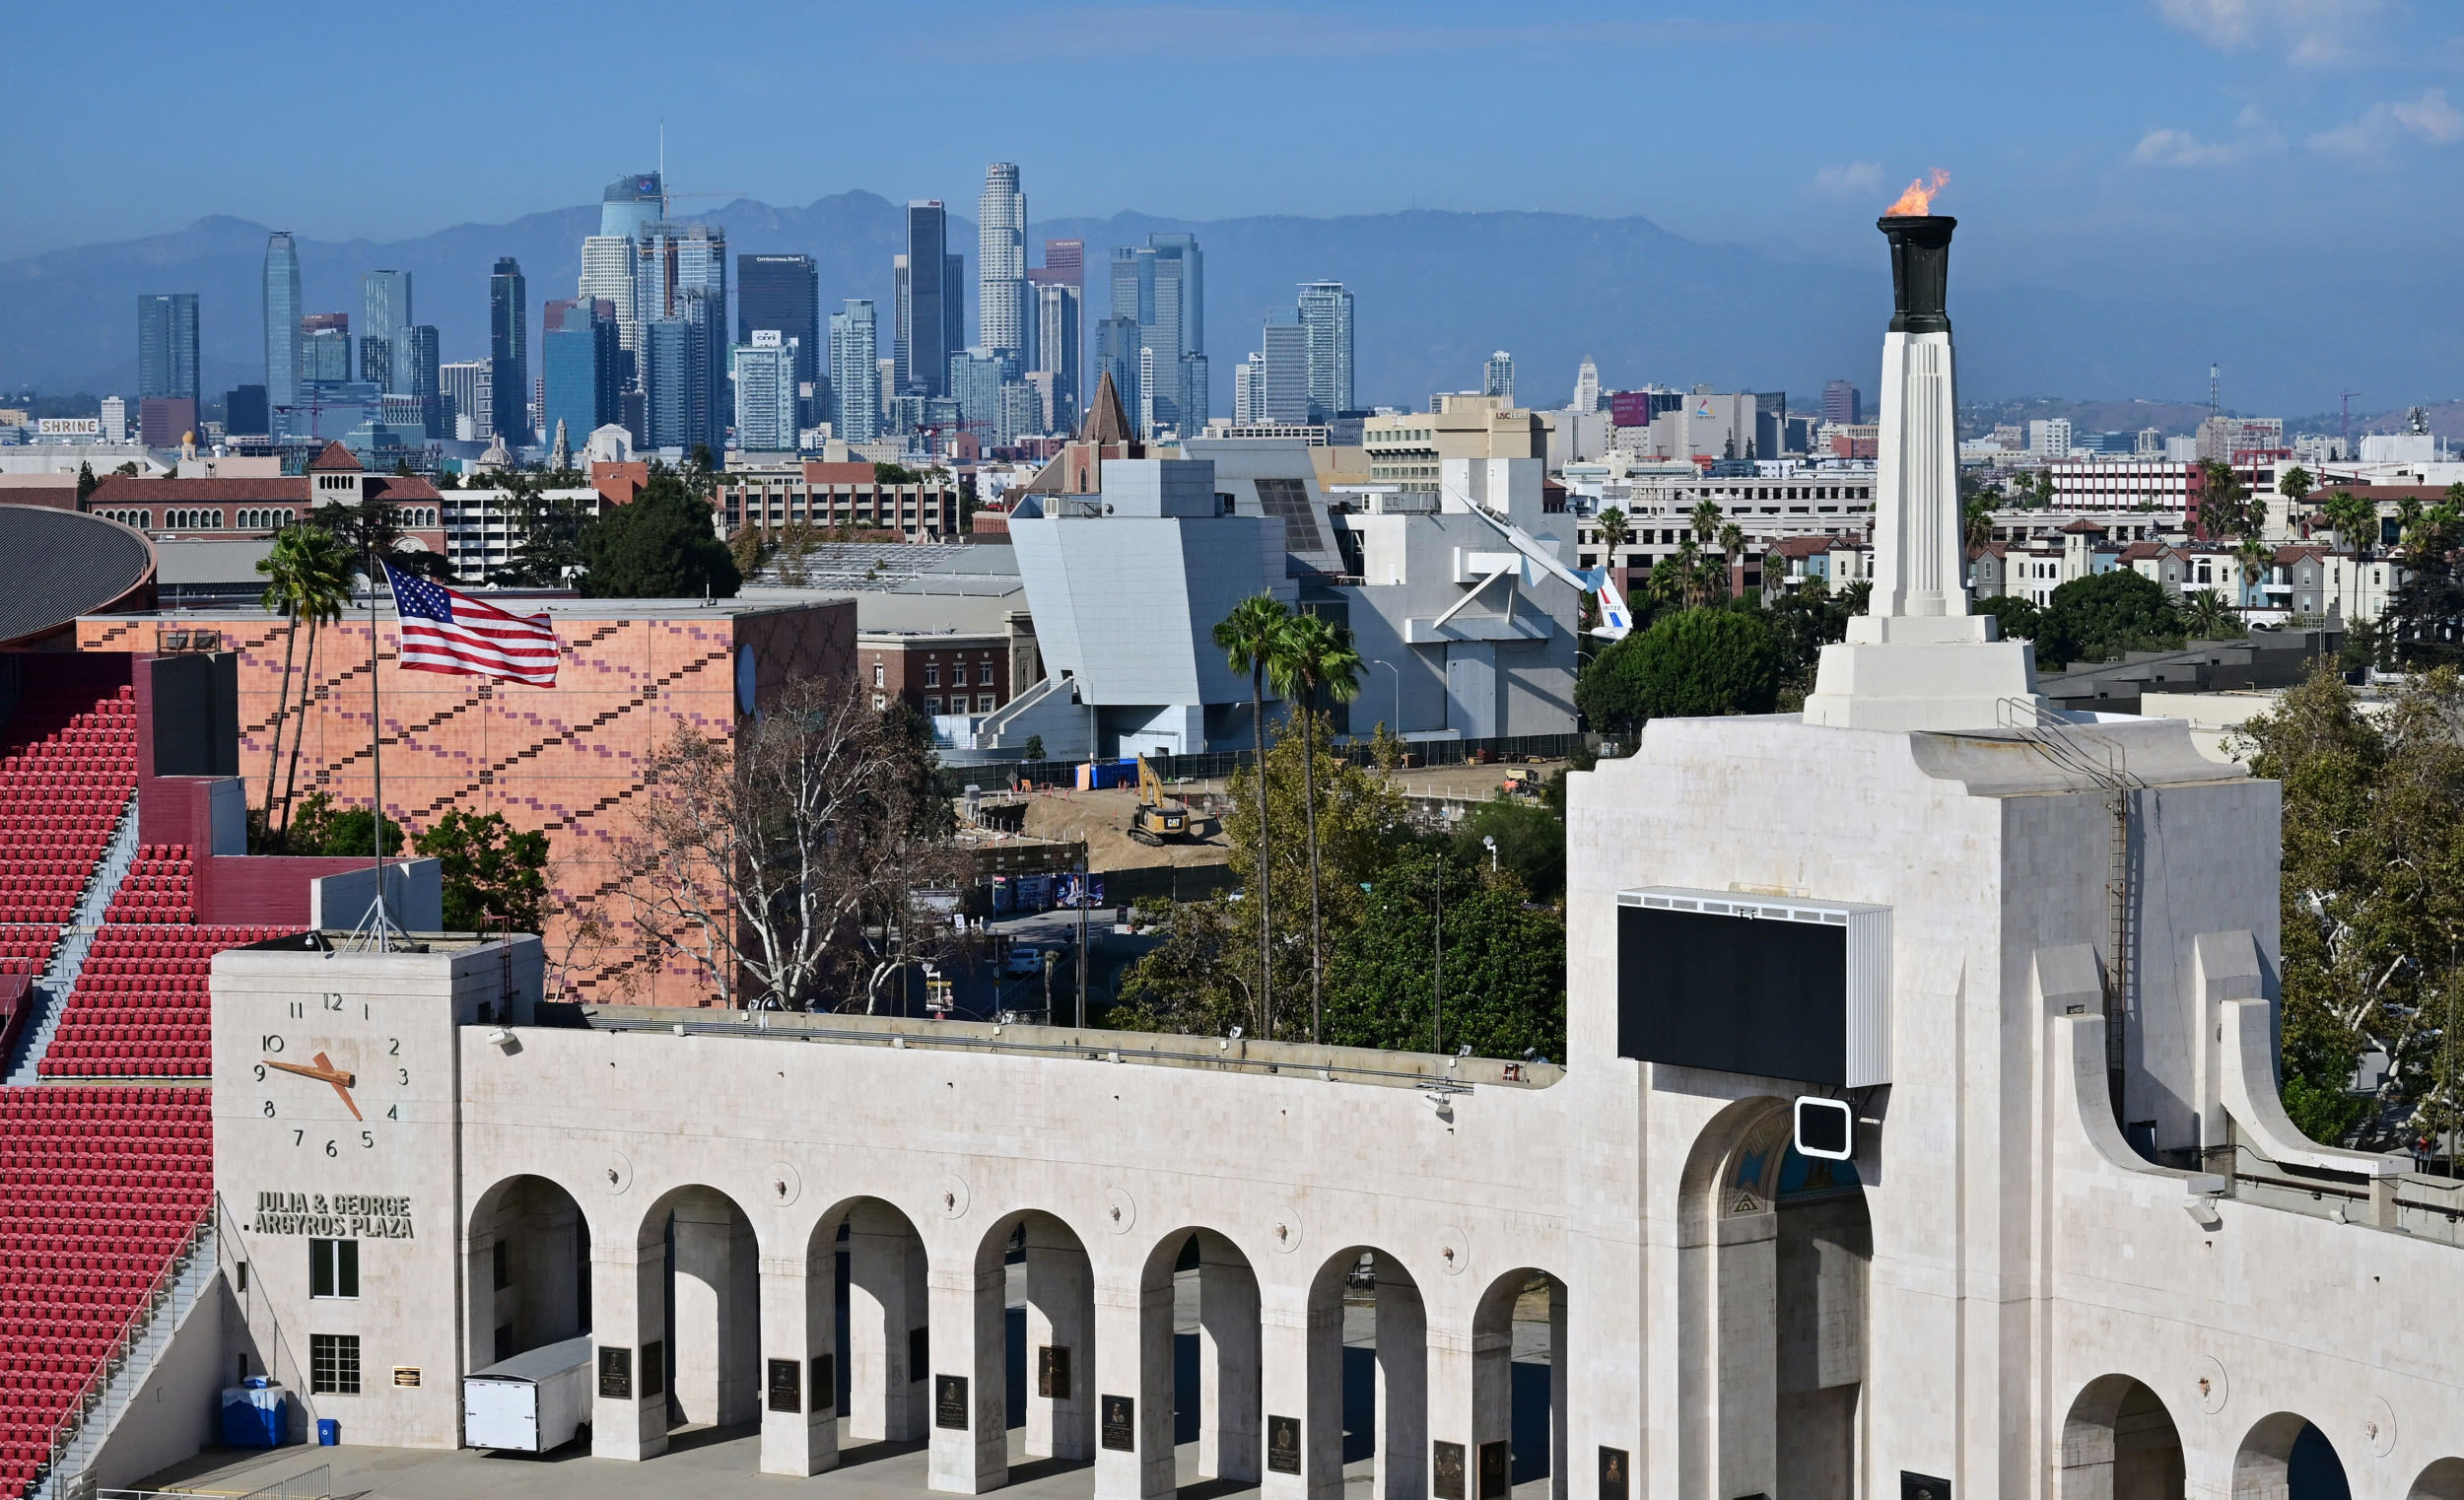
pixel 263 504
pixel 567 760
pixel 936 673
pixel 840 495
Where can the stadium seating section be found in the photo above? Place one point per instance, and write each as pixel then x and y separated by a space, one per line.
pixel 100 1188
pixel 69 766
pixel 140 1006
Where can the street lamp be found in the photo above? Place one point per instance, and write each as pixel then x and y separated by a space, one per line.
pixel 1489 843
pixel 1397 693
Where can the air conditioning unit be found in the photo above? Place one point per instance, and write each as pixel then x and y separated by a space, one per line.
pixel 1769 986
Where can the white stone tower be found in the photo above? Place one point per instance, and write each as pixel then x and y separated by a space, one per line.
pixel 1917 659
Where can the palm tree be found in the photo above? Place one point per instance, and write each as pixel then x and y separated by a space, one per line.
pixel 2207 615
pixel 1732 549
pixel 1976 521
pixel 2295 485
pixel 1614 533
pixel 284 588
pixel 1705 521
pixel 324 573
pixel 1315 659
pixel 1248 638
pixel 2352 519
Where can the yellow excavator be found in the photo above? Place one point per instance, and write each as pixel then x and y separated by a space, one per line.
pixel 1158 819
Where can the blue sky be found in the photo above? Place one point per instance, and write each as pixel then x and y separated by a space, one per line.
pixel 2260 145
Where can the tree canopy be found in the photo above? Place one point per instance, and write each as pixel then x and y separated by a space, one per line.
pixel 660 546
pixel 1692 664
pixel 2100 616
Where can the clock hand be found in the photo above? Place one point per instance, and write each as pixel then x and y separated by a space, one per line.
pixel 326 1072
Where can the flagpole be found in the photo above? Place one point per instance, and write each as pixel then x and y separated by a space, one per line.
pixel 376 759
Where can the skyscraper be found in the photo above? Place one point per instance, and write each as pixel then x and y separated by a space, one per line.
pixel 324 352
pixel 415 366
pixel 509 351
pixel 902 291
pixel 1285 387
pixel 1843 405
pixel 784 291
pixel 1326 317
pixel 1118 349
pixel 579 366
pixel 630 203
pixel 1586 387
pixel 384 311
pixel 1248 389
pixel 282 325
pixel 953 303
pixel 766 381
pixel 926 333
pixel 680 272
pixel 167 346
pixel 1001 262
pixel 1161 286
pixel 976 385
pixel 1497 376
pixel 1056 347
pixel 854 384
pixel 607 276
pixel 467 395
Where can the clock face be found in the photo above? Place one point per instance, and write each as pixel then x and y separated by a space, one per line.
pixel 334 1073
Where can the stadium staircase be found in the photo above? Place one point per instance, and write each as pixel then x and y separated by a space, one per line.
pixel 60 976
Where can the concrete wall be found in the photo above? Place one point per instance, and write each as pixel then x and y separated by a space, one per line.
pixel 177 1409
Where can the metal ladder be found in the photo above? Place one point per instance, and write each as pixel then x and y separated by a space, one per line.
pixel 50 992
pixel 2046 729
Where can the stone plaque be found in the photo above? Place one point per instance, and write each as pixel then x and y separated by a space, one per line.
pixel 655 1368
pixel 616 1373
pixel 1916 1486
pixel 949 1402
pixel 1613 1473
pixel 786 1385
pixel 1051 1372
pixel 406 1375
pixel 1121 1427
pixel 1283 1445
pixel 1446 1471
pixel 825 1382
pixel 1495 1461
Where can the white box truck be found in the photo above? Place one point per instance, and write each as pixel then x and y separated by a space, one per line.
pixel 531 1402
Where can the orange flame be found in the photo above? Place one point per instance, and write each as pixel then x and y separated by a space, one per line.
pixel 1919 198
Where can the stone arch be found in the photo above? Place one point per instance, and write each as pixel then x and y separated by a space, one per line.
pixel 1514 1396
pixel 528 1267
pixel 1200 1386
pixel 2284 1456
pixel 868 1311
pixel 1728 1267
pixel 1035 1369
pixel 2119 1442
pixel 707 1293
pixel 1366 1312
pixel 2442 1480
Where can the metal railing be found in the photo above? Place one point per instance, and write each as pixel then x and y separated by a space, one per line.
pixel 314 1485
pixel 1217 763
pixel 51 989
pixel 143 1333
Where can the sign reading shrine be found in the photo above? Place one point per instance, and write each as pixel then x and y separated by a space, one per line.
pixel 342 1216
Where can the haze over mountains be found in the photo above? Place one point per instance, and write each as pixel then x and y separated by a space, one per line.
pixel 1437 292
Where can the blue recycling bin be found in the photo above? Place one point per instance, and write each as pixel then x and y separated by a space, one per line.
pixel 328 1432
pixel 256 1415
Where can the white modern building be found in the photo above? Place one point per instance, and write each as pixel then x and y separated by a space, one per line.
pixel 765 388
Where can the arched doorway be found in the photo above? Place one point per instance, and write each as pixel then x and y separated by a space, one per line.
pixel 2286 1458
pixel 528 1270
pixel 1772 1256
pixel 712 1307
pixel 2119 1442
pixel 1368 1377
pixel 2442 1480
pixel 1519 1380
pixel 1035 1271
pixel 882 1334
pixel 1199 1305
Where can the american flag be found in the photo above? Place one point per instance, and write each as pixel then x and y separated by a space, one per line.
pixel 448 631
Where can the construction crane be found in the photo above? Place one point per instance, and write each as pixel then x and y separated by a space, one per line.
pixel 1157 819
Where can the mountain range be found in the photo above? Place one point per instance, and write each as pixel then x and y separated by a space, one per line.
pixel 1437 292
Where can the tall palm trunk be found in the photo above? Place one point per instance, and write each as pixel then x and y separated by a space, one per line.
pixel 1309 806
pixel 282 712
pixel 1265 882
pixel 307 676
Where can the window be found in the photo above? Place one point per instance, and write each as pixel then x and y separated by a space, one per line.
pixel 333 1268
pixel 932 679
pixel 983 703
pixel 878 679
pixel 879 703
pixel 933 704
pixel 333 1364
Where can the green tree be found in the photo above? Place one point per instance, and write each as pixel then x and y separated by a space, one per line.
pixel 493 877
pixel 2353 519
pixel 660 546
pixel 1615 532
pixel 1976 521
pixel 1692 665
pixel 341 833
pixel 2020 619
pixel 1314 665
pixel 2102 616
pixel 1496 982
pixel 86 483
pixel 2295 485
pixel 1249 637
pixel 2373 900
pixel 1034 749
pixel 895 473
pixel 2208 615
pixel 1531 843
